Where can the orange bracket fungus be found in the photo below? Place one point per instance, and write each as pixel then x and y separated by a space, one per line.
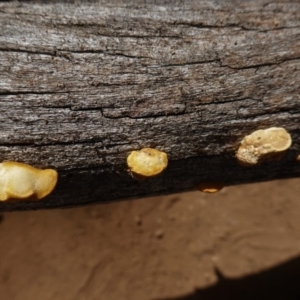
pixel 22 182
pixel 263 145
pixel 147 163
pixel 210 187
pixel 298 158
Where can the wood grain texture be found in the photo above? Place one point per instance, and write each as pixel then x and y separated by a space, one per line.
pixel 82 85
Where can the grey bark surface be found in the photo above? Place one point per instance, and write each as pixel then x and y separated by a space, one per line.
pixel 82 85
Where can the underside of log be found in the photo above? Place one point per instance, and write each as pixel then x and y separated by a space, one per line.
pixel 82 85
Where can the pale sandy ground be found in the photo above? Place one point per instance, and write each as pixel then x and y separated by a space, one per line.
pixel 155 248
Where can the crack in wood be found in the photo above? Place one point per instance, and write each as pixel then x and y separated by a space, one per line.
pixel 230 26
pixel 259 65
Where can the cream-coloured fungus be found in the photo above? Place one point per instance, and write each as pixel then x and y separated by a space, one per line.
pixel 298 158
pixel 147 163
pixel 22 182
pixel 263 145
pixel 210 186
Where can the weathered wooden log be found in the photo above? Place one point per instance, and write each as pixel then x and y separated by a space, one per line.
pixel 82 85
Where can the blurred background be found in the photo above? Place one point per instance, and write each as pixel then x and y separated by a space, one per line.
pixel 243 242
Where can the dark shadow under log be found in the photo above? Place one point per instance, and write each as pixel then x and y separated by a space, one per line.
pixel 279 282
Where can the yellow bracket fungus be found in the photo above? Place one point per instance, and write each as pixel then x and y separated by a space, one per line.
pixel 147 163
pixel 210 187
pixel 263 145
pixel 22 182
pixel 298 158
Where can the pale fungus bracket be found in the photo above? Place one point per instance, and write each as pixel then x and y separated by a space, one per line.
pixel 20 182
pixel 147 163
pixel 263 145
pixel 298 158
pixel 210 187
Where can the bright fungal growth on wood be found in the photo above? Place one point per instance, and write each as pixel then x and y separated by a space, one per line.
pixel 298 158
pixel 147 163
pixel 263 145
pixel 210 187
pixel 22 182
